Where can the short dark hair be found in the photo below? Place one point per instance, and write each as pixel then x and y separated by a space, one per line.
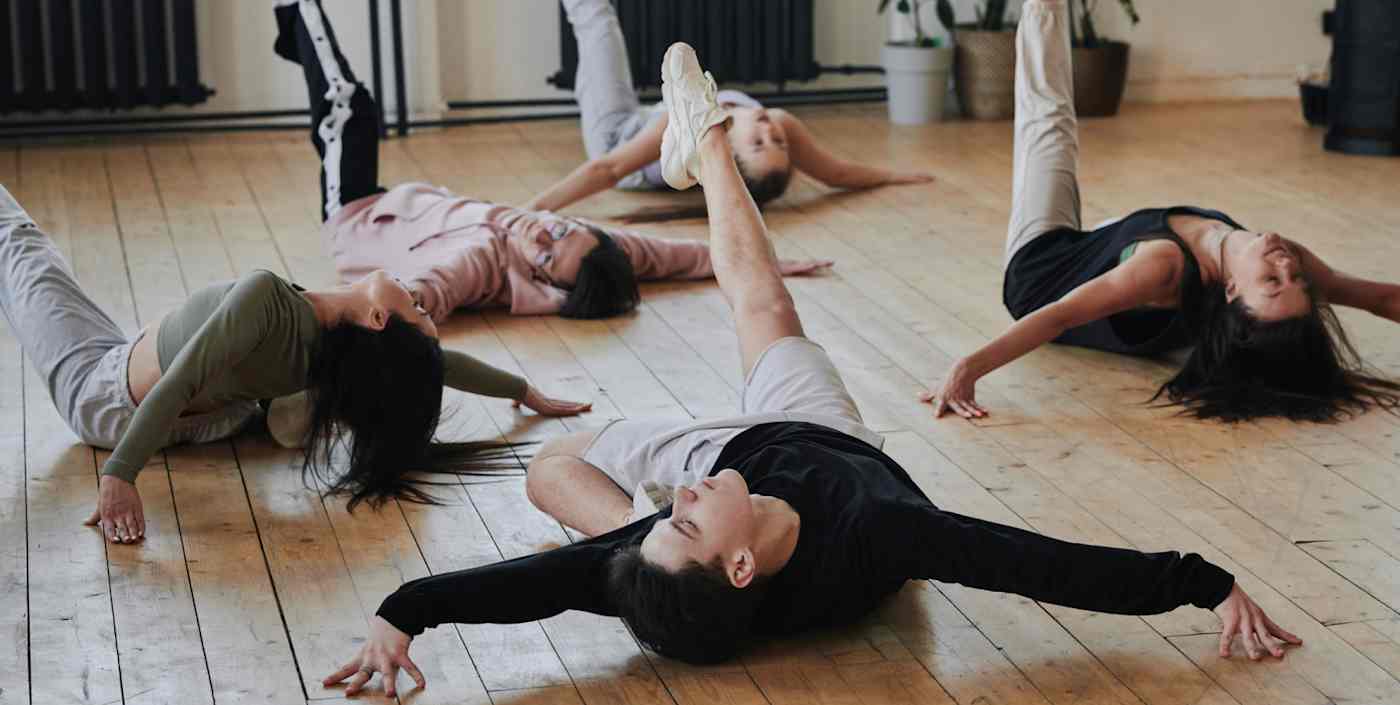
pixel 1302 368
pixel 606 284
pixel 378 395
pixel 695 615
pixel 764 187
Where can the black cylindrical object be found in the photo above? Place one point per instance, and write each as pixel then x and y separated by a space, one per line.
pixel 1364 100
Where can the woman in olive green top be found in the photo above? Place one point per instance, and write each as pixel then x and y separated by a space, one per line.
pixel 366 354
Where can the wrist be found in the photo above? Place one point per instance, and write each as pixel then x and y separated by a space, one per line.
pixel 116 475
pixel 970 367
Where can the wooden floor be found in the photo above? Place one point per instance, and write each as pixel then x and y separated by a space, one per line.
pixel 250 588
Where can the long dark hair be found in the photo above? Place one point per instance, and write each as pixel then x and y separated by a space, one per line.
pixel 1302 368
pixel 606 284
pixel 694 615
pixel 377 396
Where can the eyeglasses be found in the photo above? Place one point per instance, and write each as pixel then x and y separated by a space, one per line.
pixel 557 230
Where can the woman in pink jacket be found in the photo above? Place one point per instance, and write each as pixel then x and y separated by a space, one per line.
pixel 458 252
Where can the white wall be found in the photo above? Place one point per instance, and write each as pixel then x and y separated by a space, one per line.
pixel 1186 50
pixel 504 49
pixel 1209 49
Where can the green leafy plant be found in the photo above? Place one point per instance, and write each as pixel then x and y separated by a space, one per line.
pixel 1083 32
pixel 910 9
pixel 991 16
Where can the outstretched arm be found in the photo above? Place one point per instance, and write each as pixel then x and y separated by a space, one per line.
pixel 521 590
pixel 660 258
pixel 1133 283
pixel 468 374
pixel 810 158
pixel 981 554
pixel 744 262
pixel 1380 298
pixel 604 172
pixel 235 328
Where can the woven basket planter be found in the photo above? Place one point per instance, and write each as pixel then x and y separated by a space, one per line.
pixel 986 71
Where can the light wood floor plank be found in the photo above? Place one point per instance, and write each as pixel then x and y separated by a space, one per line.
pixel 1379 640
pixel 240 223
pixel 72 645
pixel 193 227
pixel 320 607
pixel 241 631
pixel 151 592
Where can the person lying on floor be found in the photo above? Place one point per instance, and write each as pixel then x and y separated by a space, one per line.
pixel 1254 307
pixel 453 251
pixel 623 138
pixel 786 518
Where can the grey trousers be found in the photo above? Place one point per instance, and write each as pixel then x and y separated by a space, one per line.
pixel 1044 182
pixel 610 111
pixel 78 350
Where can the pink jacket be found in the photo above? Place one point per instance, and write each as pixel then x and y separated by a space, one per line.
pixel 454 252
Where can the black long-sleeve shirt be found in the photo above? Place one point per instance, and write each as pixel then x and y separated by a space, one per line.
pixel 866 529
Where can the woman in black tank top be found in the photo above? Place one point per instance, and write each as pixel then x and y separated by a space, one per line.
pixel 1255 306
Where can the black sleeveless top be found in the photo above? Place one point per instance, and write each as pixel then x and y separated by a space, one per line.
pixel 1054 264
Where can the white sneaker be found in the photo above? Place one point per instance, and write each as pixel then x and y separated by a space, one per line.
pixel 689 93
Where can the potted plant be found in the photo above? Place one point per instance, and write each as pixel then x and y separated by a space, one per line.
pixel 986 64
pixel 917 70
pixel 1100 65
pixel 1312 88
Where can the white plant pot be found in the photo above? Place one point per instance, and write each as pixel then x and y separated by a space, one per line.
pixel 917 79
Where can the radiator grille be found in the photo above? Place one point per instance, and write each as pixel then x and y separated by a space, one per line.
pixel 739 41
pixel 69 54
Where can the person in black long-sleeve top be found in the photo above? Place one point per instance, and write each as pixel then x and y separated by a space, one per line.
pixel 786 518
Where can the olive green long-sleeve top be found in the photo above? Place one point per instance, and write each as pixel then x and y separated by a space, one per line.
pixel 249 339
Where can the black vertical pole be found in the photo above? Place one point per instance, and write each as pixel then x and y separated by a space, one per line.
pixel 376 64
pixel 400 90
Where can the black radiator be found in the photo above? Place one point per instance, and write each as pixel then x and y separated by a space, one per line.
pixel 66 54
pixel 739 41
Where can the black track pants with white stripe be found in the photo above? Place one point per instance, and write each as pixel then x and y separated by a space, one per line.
pixel 344 117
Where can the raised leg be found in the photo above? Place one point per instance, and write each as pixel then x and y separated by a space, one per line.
pixel 62 331
pixel 344 118
pixel 1045 184
pixel 607 97
pixel 743 258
